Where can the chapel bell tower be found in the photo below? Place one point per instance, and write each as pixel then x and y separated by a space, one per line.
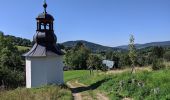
pixel 44 62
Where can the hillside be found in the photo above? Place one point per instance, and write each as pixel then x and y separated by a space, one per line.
pixel 141 46
pixel 97 47
pixel 92 46
pixel 18 41
pixel 145 85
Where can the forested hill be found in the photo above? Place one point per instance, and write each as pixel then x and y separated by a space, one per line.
pixel 141 46
pixel 96 47
pixel 18 40
pixel 92 46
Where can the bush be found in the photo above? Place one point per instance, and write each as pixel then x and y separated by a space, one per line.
pixel 11 65
pixel 11 78
pixel 157 64
pixel 167 56
pixel 104 67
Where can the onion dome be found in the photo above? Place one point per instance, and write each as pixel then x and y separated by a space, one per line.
pixel 45 16
pixel 45 38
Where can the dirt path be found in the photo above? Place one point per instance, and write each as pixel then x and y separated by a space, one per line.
pixel 101 96
pixel 76 95
pixel 81 92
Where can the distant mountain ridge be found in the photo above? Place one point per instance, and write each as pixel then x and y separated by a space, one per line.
pixel 97 47
pixel 141 46
pixel 92 46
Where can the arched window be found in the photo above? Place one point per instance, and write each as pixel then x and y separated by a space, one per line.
pixel 48 26
pixel 42 26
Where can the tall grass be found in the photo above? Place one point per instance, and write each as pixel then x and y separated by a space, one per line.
pixel 43 93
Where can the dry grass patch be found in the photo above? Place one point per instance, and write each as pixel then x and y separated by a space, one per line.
pixel 43 93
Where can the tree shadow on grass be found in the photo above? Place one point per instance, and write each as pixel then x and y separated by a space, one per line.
pixel 91 87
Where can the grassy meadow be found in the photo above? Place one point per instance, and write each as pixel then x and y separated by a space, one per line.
pixel 20 48
pixel 46 92
pixel 143 85
pixel 75 74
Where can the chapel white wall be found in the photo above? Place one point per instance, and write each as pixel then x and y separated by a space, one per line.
pixel 44 70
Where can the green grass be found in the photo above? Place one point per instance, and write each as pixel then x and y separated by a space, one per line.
pixel 148 85
pixel 70 75
pixel 20 48
pixel 44 93
pixel 143 85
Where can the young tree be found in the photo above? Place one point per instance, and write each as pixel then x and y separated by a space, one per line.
pixel 76 57
pixel 94 62
pixel 132 52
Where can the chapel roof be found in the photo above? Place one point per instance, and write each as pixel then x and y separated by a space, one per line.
pixel 45 39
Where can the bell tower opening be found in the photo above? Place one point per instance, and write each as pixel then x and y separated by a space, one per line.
pixel 45 20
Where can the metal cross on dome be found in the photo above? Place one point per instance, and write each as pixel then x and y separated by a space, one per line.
pixel 44 1
pixel 45 6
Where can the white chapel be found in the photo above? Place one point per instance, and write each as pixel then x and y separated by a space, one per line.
pixel 44 62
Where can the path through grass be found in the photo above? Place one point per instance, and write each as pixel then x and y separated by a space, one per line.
pixel 81 91
pixel 84 92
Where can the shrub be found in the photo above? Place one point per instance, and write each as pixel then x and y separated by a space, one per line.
pixel 157 64
pixel 104 67
pixel 167 56
pixel 10 78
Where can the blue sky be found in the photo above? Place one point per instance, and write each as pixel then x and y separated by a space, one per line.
pixel 106 22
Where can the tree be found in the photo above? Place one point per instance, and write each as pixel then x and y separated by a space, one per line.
pixel 82 56
pixel 132 52
pixel 124 59
pixel 94 62
pixel 1 33
pixel 158 52
pixel 11 69
pixel 113 56
pixel 61 46
pixel 78 46
pixel 77 57
pixel 167 56
pixel 19 41
pixel 109 55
